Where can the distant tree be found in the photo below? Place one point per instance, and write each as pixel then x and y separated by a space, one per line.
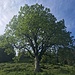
pixel 4 57
pixel 6 50
pixel 36 30
pixel 66 55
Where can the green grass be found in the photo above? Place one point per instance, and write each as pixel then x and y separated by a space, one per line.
pixel 28 69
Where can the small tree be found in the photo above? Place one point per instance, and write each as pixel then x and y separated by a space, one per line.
pixel 36 30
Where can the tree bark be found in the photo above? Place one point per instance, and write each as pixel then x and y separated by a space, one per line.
pixel 37 65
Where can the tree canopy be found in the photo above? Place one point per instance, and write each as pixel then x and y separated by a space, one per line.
pixel 36 30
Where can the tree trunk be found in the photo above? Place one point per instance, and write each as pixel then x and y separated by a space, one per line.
pixel 37 66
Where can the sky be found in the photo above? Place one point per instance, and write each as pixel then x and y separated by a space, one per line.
pixel 61 9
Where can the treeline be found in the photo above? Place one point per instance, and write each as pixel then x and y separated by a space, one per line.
pixel 4 57
pixel 7 52
pixel 60 56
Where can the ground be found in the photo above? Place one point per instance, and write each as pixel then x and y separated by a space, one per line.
pixel 28 69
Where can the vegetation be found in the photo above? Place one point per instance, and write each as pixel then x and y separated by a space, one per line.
pixel 6 50
pixel 28 69
pixel 4 57
pixel 39 38
pixel 37 31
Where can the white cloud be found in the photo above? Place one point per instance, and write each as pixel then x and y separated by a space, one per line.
pixel 7 10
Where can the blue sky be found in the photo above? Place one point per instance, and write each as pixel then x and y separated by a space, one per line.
pixel 62 9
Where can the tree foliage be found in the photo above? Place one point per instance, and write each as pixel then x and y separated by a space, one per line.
pixel 36 30
pixel 6 50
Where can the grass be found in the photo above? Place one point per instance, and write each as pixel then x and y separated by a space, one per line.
pixel 28 69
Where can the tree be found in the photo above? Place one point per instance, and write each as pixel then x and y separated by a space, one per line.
pixel 6 50
pixel 4 57
pixel 36 30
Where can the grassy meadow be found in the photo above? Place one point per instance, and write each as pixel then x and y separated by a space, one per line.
pixel 28 69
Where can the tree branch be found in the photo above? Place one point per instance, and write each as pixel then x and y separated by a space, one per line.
pixel 31 43
pixel 29 52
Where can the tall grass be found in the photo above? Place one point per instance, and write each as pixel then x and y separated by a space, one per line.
pixel 28 69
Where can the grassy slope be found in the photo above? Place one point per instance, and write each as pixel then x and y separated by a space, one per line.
pixel 27 69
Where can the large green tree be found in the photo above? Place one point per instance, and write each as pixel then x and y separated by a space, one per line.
pixel 36 30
